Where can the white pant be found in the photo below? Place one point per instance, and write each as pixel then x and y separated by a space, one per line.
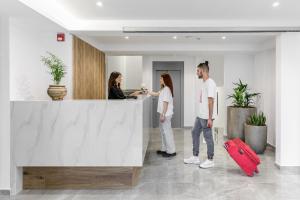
pixel 167 136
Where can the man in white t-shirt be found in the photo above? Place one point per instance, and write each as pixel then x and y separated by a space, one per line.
pixel 204 120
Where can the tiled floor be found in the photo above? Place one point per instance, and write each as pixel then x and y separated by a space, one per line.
pixel 163 178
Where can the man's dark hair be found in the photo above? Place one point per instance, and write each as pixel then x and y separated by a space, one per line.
pixel 204 66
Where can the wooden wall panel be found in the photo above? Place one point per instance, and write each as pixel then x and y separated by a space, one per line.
pixel 88 71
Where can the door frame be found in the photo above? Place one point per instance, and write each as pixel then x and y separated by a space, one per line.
pixel 179 67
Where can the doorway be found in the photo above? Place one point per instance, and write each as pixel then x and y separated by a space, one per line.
pixel 176 71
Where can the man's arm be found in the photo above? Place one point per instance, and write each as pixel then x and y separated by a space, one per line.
pixel 210 111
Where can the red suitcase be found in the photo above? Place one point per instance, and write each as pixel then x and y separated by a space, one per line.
pixel 243 155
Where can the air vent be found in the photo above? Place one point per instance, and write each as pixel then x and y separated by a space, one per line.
pixel 210 29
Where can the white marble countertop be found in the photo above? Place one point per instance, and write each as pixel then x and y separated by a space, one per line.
pixel 80 132
pixel 73 133
pixel 140 98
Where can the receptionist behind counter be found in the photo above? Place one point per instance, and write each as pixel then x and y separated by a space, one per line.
pixel 114 87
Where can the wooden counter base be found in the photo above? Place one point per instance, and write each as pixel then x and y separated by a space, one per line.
pixel 79 177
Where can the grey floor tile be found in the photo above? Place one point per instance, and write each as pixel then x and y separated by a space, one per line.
pixel 171 179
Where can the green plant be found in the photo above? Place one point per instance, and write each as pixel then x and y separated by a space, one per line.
pixel 56 67
pixel 241 96
pixel 257 119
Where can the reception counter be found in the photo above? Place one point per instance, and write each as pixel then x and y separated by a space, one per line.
pixel 78 144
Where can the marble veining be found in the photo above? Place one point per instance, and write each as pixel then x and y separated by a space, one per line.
pixel 79 133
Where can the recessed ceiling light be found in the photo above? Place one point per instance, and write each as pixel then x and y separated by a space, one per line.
pixel 276 4
pixel 99 3
pixel 175 37
pixel 126 37
pixel 224 38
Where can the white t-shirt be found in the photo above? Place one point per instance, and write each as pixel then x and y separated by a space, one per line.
pixel 165 95
pixel 208 89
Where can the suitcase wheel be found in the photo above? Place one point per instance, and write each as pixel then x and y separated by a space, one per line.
pixel 250 174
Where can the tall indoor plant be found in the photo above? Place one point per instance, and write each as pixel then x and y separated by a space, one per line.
pixel 256 132
pixel 240 111
pixel 57 70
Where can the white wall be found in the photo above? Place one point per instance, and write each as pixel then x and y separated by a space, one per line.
pixel 237 66
pixel 287 99
pixel 220 121
pixel 129 66
pixel 134 71
pixel 191 82
pixel 264 83
pixel 116 63
pixel 4 106
pixel 259 72
pixel 29 40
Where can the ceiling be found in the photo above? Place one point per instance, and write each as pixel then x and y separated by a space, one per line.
pixel 182 9
pixel 102 26
pixel 182 38
pixel 28 18
pixel 140 44
pixel 14 8
pixel 114 15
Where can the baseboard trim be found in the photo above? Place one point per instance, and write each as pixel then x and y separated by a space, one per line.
pixel 271 145
pixel 276 165
pixel 5 192
pixel 290 168
pixel 273 148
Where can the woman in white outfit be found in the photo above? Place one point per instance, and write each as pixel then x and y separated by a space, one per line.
pixel 165 109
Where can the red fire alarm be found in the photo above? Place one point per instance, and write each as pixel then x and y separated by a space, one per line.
pixel 60 37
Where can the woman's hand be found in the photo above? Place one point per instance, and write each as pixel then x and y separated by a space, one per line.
pixel 156 94
pixel 162 118
pixel 136 93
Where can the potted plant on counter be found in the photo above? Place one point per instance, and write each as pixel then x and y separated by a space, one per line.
pixel 57 70
pixel 256 132
pixel 240 111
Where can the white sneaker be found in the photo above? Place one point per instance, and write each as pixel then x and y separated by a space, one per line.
pixel 207 164
pixel 192 160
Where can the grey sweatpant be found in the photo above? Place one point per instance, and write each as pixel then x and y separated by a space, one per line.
pixel 201 125
pixel 167 136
